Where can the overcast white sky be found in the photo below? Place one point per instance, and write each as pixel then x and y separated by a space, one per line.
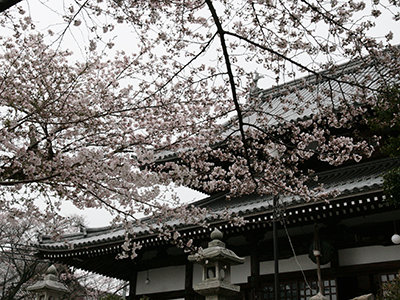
pixel 101 217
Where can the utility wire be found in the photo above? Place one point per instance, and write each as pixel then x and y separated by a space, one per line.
pixel 292 247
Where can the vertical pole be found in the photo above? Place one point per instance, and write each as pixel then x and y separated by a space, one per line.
pixel 317 254
pixel 254 238
pixel 275 241
pixel 320 286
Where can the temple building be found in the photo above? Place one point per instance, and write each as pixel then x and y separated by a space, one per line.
pixel 354 231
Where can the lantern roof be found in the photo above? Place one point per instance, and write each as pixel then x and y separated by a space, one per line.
pixel 49 283
pixel 216 251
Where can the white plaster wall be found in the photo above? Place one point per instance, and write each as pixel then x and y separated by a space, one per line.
pixel 366 255
pixel 197 273
pixel 239 273
pixel 161 280
pixel 290 265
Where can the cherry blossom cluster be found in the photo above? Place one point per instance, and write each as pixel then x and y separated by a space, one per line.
pixel 183 105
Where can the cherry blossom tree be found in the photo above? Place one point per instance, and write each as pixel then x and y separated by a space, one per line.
pixel 18 264
pixel 182 102
pixel 86 285
pixel 19 267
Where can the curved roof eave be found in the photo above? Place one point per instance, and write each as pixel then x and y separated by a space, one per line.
pixel 361 179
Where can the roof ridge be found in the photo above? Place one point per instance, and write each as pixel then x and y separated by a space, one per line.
pixel 361 165
pixel 347 67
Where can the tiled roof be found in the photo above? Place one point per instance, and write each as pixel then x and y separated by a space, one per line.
pixel 362 178
pixel 349 80
pixel 345 83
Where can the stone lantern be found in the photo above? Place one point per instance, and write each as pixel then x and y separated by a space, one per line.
pixel 49 288
pixel 216 261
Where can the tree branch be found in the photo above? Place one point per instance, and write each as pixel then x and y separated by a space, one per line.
pixel 11 183
pixel 221 33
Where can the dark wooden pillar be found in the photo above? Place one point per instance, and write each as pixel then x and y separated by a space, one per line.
pixel 254 263
pixel 254 279
pixel 132 285
pixel 189 292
